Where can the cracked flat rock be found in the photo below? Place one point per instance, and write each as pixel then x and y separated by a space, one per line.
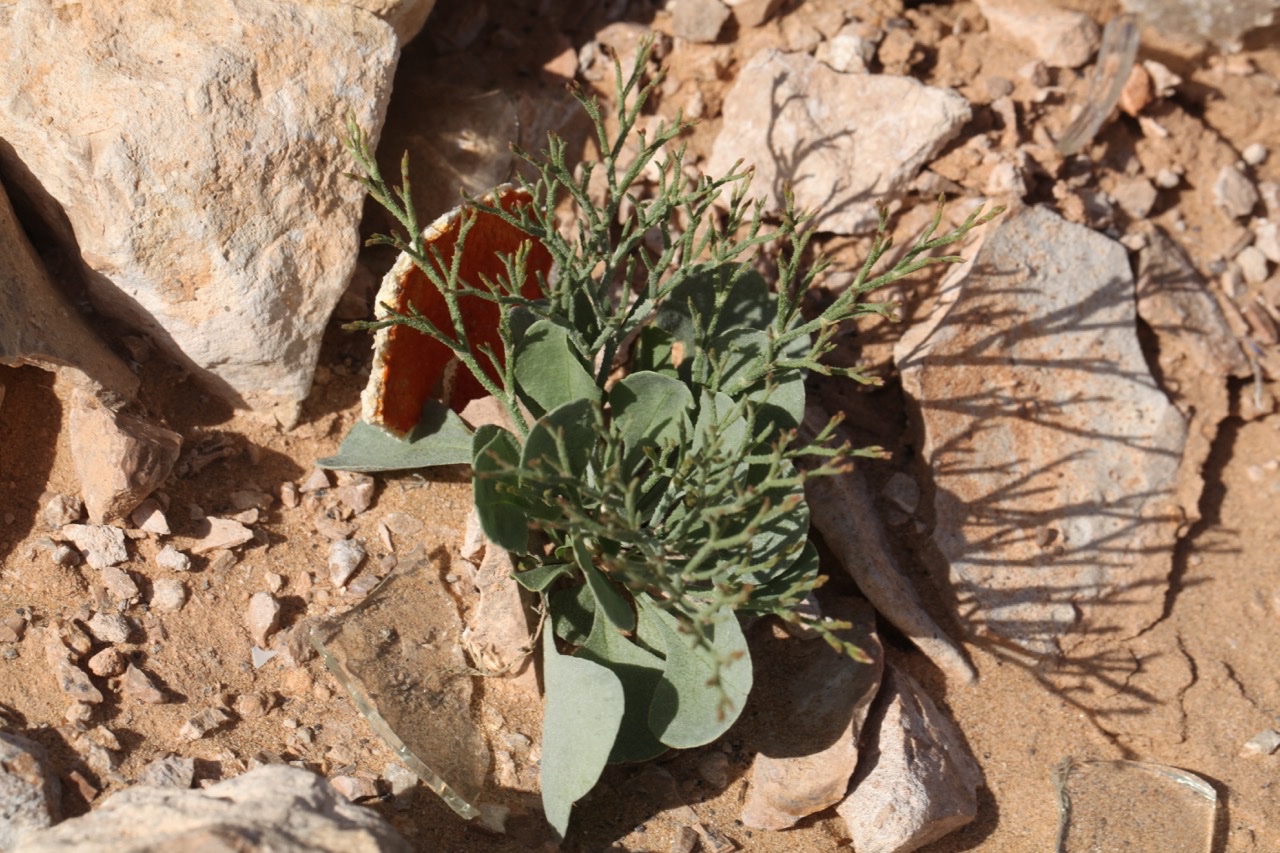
pixel 804 768
pixel 276 808
pixel 28 794
pixel 840 141
pixel 200 171
pixel 1055 456
pixel 920 781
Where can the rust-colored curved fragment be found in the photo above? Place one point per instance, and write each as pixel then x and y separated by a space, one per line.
pixel 409 367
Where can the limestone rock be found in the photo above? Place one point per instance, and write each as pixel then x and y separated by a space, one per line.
pixel 58 510
pixel 275 807
pixel 28 794
pixel 173 559
pixel 172 771
pixel 139 686
pixel 200 170
pixel 345 556
pixel 1234 192
pixel 923 783
pixel 1059 37
pixel 213 533
pixel 1197 352
pixel 698 20
pixel 841 141
pixel 262 618
pixel 1055 455
pixel 149 517
pixel 103 545
pixel 39 326
pixel 207 721
pixel 168 595
pixel 498 633
pixel 120 459
pixel 803 768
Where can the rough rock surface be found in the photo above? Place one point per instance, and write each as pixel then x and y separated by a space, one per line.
pixel 1059 37
pixel 120 459
pixel 1197 352
pixel 803 769
pixel 1054 454
pixel 276 807
pixel 38 325
pixel 200 169
pixel 919 781
pixel 839 140
pixel 103 544
pixel 28 795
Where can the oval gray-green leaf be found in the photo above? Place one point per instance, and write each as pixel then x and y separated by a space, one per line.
pixel 575 422
pixel 639 670
pixel 581 718
pixel 547 369
pixel 702 690
pixel 608 600
pixel 650 409
pixel 503 516
pixel 440 438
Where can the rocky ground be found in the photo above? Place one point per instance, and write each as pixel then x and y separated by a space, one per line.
pixel 1082 469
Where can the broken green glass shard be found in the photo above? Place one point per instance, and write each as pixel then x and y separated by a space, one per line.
pixel 1133 805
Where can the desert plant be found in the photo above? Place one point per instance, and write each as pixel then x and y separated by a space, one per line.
pixel 654 383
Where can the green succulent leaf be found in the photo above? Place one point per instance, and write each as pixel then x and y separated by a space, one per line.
pixel 547 369
pixel 649 409
pixel 440 438
pixel 609 601
pixel 703 689
pixel 639 670
pixel 748 301
pixel 584 708
pixel 572 422
pixel 539 578
pixel 503 513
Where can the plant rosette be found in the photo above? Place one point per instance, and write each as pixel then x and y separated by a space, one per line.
pixel 646 478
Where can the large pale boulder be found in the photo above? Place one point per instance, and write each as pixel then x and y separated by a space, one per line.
pixel 39 326
pixel 194 153
pixel 840 141
pixel 276 808
pixel 1055 455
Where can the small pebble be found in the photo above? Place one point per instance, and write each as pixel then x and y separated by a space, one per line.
pixel 207 721
pixel 120 584
pixel 61 509
pixel 714 769
pixel 345 557
pixel 138 685
pixel 168 595
pixel 318 479
pixel 250 706
pixel 172 771
pixel 149 517
pixel 1255 154
pixel 172 559
pixel 262 617
pixel 1265 742
pixel 1253 264
pixel 274 582
pixel 109 628
pixel 65 555
pixel 355 787
pixel 289 495
pixel 108 662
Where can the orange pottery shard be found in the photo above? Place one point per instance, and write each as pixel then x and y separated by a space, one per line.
pixel 408 366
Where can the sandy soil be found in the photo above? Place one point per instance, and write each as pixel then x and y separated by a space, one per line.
pixel 1205 677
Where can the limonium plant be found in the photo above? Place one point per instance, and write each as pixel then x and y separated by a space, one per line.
pixel 649 486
